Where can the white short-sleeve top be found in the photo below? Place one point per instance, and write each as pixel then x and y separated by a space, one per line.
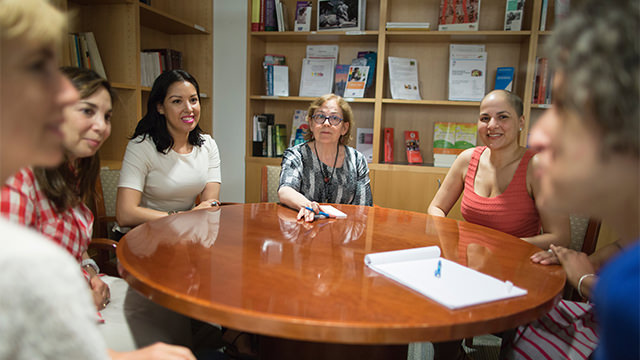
pixel 170 181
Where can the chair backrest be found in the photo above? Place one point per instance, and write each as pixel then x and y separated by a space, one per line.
pixel 270 179
pixel 105 202
pixel 584 234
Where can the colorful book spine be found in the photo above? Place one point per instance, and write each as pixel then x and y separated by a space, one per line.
pixel 388 145
pixel 412 143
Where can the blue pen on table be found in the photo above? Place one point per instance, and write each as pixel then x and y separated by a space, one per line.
pixel 320 212
pixel 438 269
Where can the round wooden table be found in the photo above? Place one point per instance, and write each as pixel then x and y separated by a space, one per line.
pixel 253 267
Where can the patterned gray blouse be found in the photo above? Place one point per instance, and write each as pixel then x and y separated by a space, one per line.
pixel 349 185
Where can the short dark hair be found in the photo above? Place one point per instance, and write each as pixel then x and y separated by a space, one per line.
pixel 154 124
pixel 596 50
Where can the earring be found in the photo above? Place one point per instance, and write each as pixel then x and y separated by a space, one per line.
pixel 520 129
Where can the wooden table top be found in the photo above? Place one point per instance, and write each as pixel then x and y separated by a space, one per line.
pixel 253 267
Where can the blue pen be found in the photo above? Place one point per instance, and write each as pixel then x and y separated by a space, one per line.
pixel 438 270
pixel 320 212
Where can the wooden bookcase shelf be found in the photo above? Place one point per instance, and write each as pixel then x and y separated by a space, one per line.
pixel 396 185
pixel 122 29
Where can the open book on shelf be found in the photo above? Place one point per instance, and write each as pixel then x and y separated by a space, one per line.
pixel 446 282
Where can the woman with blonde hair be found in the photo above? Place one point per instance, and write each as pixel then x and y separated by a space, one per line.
pixel 324 169
pixel 45 310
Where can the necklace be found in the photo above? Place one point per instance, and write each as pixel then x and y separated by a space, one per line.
pixel 327 179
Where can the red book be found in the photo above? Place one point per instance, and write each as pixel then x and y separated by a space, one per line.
pixel 412 143
pixel 543 70
pixel 388 145
pixel 262 12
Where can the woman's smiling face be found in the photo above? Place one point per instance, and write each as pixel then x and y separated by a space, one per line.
pixel 181 108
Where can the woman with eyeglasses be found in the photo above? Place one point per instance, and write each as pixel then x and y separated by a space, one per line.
pixel 324 169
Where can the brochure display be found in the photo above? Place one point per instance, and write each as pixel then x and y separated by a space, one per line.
pixel 467 72
pixel 403 78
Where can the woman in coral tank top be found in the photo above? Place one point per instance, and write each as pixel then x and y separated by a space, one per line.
pixel 497 180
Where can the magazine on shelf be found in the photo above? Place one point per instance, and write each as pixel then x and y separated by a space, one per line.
pixel 450 139
pixel 412 144
pixel 303 16
pixel 299 127
pixel 364 142
pixel 356 81
pixel 443 281
pixel 403 78
pixel 316 78
pixel 504 78
pixel 467 72
pixel 341 77
pixel 341 15
pixel 513 15
pixel 322 52
pixel 459 15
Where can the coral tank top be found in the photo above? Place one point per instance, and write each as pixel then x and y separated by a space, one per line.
pixel 513 212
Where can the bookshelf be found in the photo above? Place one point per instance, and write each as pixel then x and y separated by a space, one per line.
pixel 397 185
pixel 123 28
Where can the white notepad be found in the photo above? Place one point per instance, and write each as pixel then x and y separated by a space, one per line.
pixel 457 287
pixel 333 211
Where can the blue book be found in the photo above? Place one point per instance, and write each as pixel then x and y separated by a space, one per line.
pixel 504 78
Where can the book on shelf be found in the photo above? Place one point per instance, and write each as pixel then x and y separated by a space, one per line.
pixel 388 145
pixel 408 26
pixel 371 58
pixel 270 17
pixel 316 77
pixel 303 16
pixel 341 15
pixel 95 60
pixel 541 82
pixel 282 16
pixel 170 59
pixel 364 142
pixel 412 145
pixel 445 282
pixel 562 9
pixel 322 52
pixel 299 127
pixel 504 78
pixel 450 139
pixel 543 15
pixel 259 135
pixel 403 78
pixel 277 80
pixel 155 61
pixel 271 60
pixel 513 15
pixel 262 6
pixel 467 72
pixel 280 138
pixel 340 80
pixel 356 81
pixel 255 15
pixel 268 142
pixel 459 15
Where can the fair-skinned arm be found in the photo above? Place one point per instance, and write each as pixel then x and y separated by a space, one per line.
pixel 210 194
pixel 157 351
pixel 556 228
pixel 128 209
pixel 451 187
pixel 295 200
pixel 99 290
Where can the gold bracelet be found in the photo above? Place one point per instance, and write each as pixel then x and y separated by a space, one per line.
pixel 580 283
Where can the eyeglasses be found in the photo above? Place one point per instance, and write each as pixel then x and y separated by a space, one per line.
pixel 321 118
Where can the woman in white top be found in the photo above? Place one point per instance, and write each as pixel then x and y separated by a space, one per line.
pixel 169 162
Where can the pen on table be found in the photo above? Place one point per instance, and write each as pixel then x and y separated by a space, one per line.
pixel 320 212
pixel 438 269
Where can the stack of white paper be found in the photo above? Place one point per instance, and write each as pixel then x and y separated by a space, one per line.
pixel 456 287
pixel 316 78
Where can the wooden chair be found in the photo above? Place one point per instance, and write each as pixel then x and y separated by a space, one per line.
pixel 102 249
pixel 270 179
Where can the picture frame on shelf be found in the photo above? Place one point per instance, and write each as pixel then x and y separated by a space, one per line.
pixel 341 15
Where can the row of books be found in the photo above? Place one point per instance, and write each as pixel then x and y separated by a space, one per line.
pixel 541 90
pixel 332 15
pixel 83 52
pixel 154 62
pixel 559 12
pixel 269 138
